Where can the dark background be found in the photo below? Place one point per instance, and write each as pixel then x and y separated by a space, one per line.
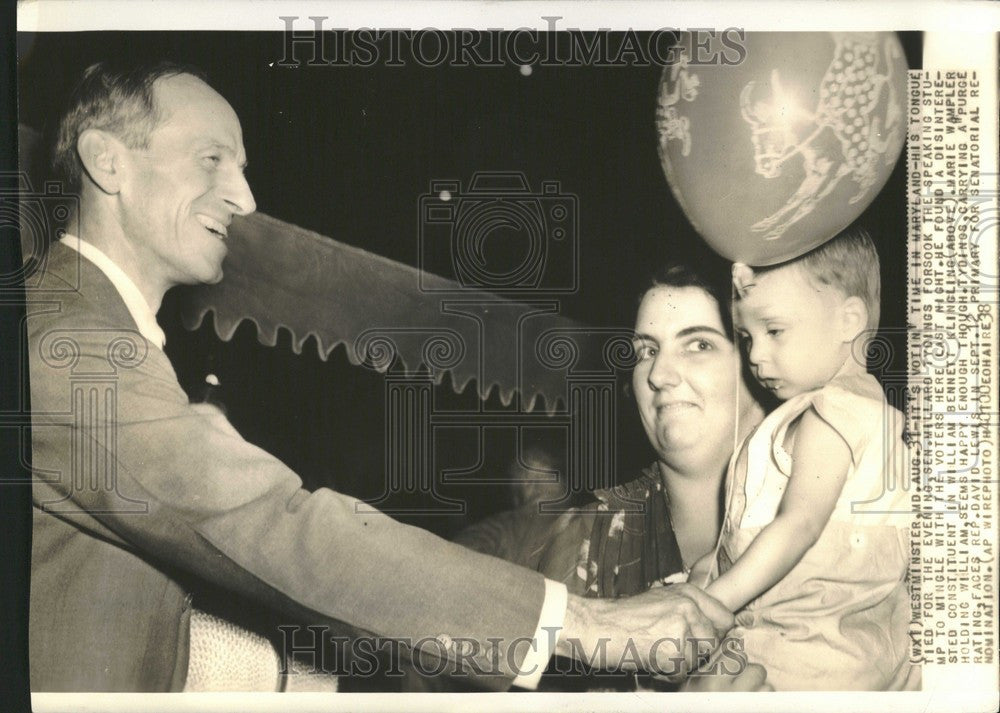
pixel 348 151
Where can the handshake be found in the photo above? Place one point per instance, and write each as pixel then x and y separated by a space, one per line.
pixel 670 632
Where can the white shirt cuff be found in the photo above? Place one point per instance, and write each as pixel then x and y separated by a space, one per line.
pixel 550 623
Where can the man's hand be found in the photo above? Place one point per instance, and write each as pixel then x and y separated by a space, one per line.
pixel 751 679
pixel 665 630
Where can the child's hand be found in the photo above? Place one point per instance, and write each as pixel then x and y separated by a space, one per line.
pixel 702 571
pixel 698 576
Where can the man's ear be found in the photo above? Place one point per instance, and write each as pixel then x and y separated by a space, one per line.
pixel 100 155
pixel 854 318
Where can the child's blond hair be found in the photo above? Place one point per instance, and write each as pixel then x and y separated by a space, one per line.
pixel 848 262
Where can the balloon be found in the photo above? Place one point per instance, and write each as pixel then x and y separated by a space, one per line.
pixel 773 155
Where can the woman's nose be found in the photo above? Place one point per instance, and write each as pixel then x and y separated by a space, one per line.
pixel 664 372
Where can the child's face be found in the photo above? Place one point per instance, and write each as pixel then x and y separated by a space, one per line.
pixel 792 330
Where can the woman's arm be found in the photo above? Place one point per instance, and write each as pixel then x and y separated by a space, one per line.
pixel 820 461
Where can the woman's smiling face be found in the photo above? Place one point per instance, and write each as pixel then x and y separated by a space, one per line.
pixel 687 374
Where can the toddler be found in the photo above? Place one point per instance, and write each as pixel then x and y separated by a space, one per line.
pixel 814 547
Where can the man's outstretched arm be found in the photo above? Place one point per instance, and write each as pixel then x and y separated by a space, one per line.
pixel 226 511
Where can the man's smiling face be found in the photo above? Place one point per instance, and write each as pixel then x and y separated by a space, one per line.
pixel 180 192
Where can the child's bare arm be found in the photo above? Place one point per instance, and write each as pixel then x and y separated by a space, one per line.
pixel 819 467
pixel 702 570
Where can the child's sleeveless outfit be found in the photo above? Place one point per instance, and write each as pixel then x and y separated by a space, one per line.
pixel 839 619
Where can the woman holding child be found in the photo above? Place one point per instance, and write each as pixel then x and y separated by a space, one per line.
pixel 813 548
pixel 691 401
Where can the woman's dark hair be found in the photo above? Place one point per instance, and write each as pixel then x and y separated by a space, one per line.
pixel 713 279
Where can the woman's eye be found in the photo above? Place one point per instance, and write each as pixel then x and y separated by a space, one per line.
pixel 700 345
pixel 775 332
pixel 644 351
pixel 214 160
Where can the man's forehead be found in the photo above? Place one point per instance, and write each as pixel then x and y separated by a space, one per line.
pixel 186 101
pixel 185 88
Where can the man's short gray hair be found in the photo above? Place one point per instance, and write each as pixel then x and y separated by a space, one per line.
pixel 118 100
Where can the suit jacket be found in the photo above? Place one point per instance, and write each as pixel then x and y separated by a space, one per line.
pixel 137 493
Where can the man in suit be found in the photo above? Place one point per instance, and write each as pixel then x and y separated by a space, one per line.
pixel 140 496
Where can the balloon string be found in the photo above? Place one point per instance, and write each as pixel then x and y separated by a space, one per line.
pixel 713 572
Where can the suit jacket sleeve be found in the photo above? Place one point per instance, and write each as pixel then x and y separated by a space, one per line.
pixel 226 511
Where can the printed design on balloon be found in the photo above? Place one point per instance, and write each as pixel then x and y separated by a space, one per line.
pixel 850 132
pixel 680 85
